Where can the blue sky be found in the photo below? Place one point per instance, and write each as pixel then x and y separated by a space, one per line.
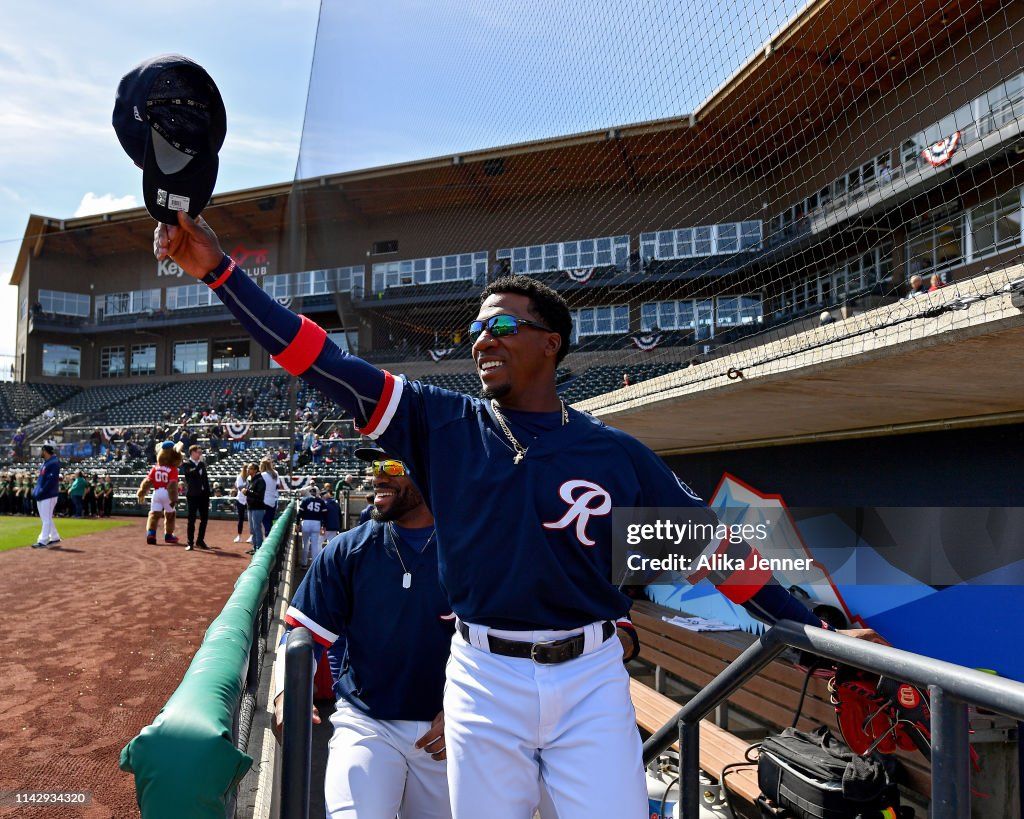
pixel 392 81
pixel 60 64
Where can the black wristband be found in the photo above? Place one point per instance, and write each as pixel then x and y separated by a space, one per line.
pixel 215 274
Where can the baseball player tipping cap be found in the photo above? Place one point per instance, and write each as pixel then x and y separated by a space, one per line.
pixel 170 119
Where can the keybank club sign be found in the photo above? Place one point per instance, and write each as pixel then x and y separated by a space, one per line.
pixel 254 260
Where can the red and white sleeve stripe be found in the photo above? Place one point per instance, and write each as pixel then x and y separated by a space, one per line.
pixel 295 618
pixel 390 397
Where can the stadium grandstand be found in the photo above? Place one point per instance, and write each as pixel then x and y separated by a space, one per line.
pixel 806 287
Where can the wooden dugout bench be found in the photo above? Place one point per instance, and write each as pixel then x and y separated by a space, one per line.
pixel 770 698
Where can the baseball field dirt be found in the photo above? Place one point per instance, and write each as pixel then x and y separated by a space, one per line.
pixel 99 632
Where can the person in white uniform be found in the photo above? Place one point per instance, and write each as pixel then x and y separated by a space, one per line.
pixel 45 494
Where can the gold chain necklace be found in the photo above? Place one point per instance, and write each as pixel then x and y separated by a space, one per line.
pixel 519 449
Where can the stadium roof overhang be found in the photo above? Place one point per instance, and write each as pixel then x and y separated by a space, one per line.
pixel 873 374
pixel 829 56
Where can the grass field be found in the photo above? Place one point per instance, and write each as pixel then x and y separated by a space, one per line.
pixel 17 531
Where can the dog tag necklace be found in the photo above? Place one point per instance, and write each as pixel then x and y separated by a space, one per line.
pixel 406 574
pixel 517 447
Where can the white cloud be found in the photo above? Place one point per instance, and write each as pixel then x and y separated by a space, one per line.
pixel 92 204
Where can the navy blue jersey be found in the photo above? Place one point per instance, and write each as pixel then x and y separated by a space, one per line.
pixel 332 516
pixel 313 509
pixel 523 546
pixel 397 639
pixel 48 482
pixel 365 513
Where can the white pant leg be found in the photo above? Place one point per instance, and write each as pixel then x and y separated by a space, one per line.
pixel 375 772
pixel 510 723
pixel 426 784
pixel 307 539
pixel 491 731
pixel 316 544
pixel 49 529
pixel 592 756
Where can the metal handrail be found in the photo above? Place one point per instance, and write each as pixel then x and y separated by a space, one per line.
pixel 951 687
pixel 297 740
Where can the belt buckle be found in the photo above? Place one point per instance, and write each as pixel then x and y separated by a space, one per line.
pixel 544 644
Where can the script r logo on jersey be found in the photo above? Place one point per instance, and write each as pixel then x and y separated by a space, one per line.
pixel 592 500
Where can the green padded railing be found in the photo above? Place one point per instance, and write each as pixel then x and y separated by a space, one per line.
pixel 185 763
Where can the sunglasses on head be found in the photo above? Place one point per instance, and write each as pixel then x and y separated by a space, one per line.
pixel 502 325
pixel 394 469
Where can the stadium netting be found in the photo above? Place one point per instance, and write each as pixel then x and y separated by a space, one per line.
pixel 695 180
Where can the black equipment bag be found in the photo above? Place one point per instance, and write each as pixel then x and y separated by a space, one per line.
pixel 817 776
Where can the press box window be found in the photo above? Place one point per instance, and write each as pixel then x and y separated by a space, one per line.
pixel 143 359
pixel 62 360
pixel 190 357
pixel 112 362
pixel 230 355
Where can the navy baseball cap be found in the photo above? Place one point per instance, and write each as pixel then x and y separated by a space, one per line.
pixel 369 454
pixel 169 118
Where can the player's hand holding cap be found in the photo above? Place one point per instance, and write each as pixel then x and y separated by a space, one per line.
pixel 170 119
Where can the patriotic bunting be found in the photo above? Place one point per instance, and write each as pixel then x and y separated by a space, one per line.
pixel 440 353
pixel 237 430
pixel 108 432
pixel 298 481
pixel 646 341
pixel 939 153
pixel 580 274
pixel 284 301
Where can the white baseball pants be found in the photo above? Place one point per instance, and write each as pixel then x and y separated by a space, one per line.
pixel 49 530
pixel 512 725
pixel 311 542
pixel 375 772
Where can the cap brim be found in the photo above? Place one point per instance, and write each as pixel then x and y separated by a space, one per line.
pixel 189 190
pixel 371 453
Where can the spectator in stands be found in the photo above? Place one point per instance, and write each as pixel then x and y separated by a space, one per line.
pixel 17 442
pixel 315 448
pixel 216 436
pixel 936 283
pixel 50 414
pixel 240 502
pixel 197 496
pixel 77 491
pixel 255 491
pixel 365 514
pixel 625 380
pixel 916 286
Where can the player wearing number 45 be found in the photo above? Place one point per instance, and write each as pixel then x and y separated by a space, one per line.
pixel 376 587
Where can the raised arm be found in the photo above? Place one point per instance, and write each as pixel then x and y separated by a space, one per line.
pixel 295 342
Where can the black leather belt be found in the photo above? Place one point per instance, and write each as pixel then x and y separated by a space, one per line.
pixel 549 652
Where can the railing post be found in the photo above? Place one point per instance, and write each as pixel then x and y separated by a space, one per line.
pixel 297 744
pixel 951 770
pixel 689 769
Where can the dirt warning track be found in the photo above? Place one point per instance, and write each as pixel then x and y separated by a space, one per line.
pixel 97 635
